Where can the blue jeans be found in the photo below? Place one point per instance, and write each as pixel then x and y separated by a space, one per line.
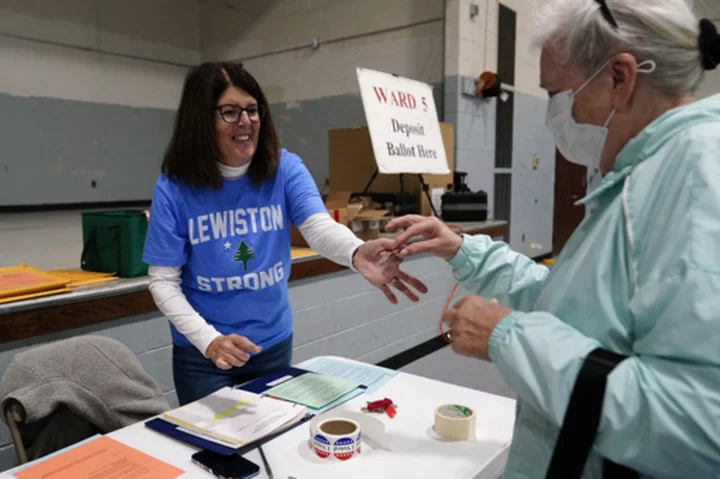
pixel 196 376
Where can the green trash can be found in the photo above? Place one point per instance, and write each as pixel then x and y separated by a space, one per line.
pixel 113 242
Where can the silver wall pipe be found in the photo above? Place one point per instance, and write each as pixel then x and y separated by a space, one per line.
pixel 315 44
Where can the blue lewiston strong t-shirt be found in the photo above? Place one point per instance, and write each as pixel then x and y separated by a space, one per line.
pixel 233 245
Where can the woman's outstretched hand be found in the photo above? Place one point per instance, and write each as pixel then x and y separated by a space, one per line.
pixel 377 263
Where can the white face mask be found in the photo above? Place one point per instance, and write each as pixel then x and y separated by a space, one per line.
pixel 581 144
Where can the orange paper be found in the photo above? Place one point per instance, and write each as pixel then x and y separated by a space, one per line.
pixel 102 457
pixel 23 279
pixel 20 280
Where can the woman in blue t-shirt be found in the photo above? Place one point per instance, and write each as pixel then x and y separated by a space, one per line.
pixel 219 235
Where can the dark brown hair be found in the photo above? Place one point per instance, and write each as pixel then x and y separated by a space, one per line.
pixel 192 155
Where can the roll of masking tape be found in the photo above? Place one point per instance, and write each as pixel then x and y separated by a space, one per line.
pixel 337 439
pixel 455 422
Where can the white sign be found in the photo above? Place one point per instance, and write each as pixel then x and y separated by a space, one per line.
pixel 403 124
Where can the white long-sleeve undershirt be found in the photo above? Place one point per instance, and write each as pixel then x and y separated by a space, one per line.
pixel 323 234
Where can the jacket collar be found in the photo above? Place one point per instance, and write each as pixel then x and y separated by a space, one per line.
pixel 652 138
pixel 608 181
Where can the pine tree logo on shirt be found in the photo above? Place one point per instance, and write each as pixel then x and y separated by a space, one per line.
pixel 243 254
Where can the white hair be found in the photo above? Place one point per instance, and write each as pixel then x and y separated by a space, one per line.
pixel 664 31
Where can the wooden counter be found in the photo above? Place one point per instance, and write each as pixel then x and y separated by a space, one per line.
pixel 130 297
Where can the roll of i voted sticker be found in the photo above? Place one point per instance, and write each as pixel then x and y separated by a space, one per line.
pixel 336 439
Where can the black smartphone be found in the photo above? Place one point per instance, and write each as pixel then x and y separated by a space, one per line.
pixel 226 467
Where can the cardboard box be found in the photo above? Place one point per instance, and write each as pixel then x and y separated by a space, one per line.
pixel 352 164
pixel 359 216
pixel 368 224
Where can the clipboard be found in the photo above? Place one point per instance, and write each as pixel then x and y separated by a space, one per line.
pixel 174 431
pixel 262 384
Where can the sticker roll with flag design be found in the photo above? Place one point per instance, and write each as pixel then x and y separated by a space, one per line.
pixel 336 439
pixel 455 422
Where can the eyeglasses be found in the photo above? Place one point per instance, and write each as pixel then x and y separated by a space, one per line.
pixel 233 113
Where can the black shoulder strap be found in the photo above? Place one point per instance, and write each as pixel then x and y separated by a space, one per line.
pixel 582 419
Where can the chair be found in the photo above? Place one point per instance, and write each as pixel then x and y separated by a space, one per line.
pixel 62 428
pixel 15 415
pixel 60 393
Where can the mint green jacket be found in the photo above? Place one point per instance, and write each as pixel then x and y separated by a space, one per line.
pixel 640 276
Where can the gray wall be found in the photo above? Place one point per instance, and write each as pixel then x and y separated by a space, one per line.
pixel 51 150
pixel 475 120
pixel 532 190
pixel 338 314
pixel 303 126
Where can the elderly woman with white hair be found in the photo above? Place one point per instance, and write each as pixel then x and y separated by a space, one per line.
pixel 615 353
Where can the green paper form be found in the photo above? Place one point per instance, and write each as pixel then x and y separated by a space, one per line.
pixel 312 390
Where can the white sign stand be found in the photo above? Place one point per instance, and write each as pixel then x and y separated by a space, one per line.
pixel 403 124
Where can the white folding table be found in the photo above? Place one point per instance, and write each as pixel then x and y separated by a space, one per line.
pixel 403 447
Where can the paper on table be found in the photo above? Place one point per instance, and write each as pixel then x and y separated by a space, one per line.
pixel 101 457
pixel 313 390
pixel 341 400
pixel 371 376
